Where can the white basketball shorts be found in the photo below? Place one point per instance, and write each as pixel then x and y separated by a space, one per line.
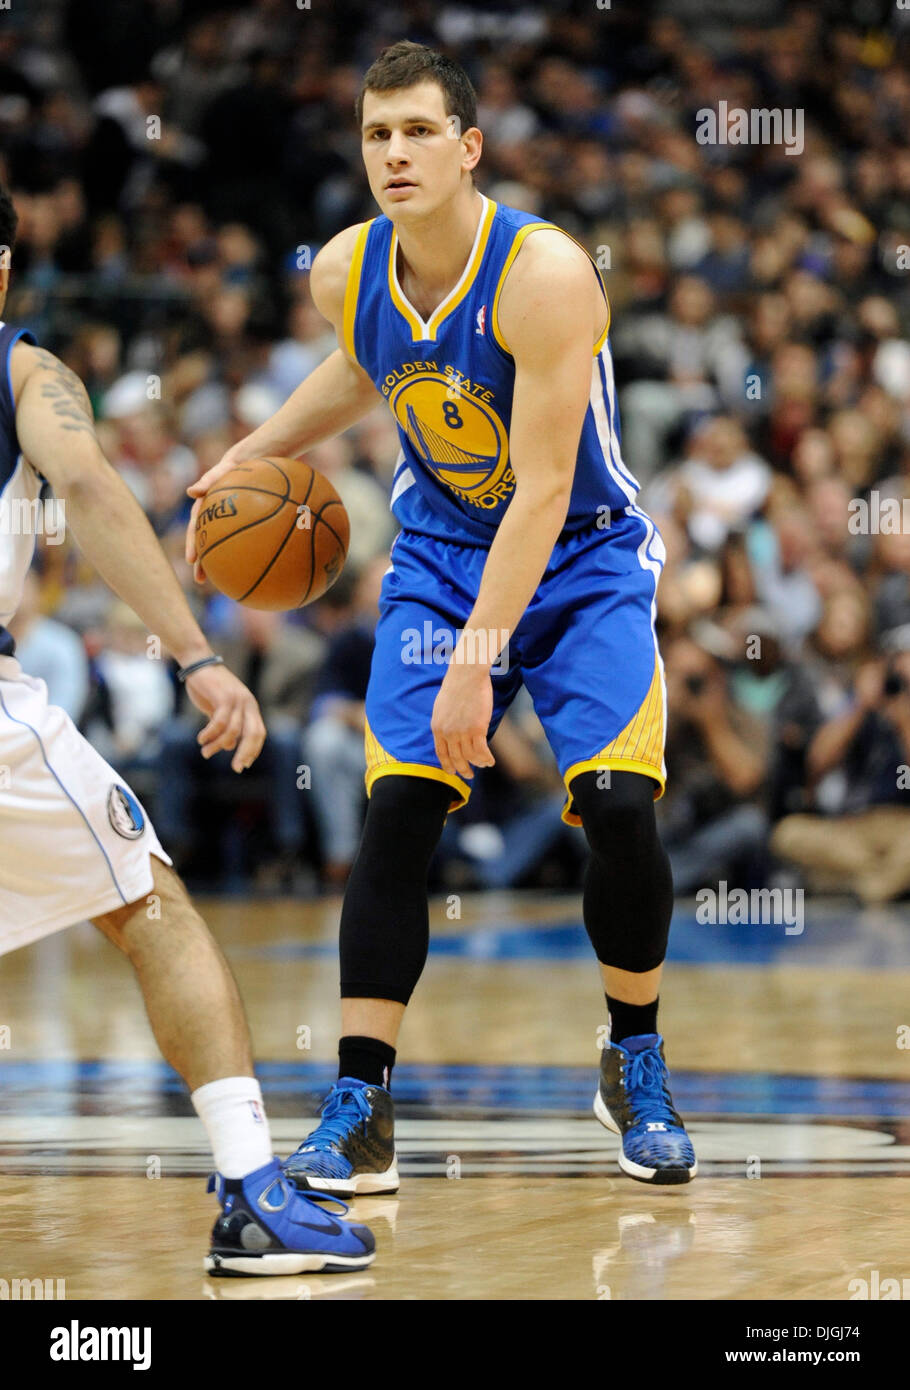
pixel 74 840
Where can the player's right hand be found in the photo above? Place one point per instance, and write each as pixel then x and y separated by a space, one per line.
pixel 197 491
pixel 234 718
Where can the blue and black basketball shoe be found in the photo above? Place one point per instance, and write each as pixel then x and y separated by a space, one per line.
pixel 267 1227
pixel 633 1100
pixel 351 1153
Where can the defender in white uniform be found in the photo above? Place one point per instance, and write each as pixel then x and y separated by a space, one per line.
pixel 74 841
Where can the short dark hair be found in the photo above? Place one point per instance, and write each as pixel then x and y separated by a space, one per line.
pixel 9 220
pixel 405 64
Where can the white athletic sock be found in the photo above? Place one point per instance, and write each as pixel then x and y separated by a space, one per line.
pixel 231 1110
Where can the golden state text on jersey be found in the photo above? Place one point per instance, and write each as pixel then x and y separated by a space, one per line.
pixel 449 382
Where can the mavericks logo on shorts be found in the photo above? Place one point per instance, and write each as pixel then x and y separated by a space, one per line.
pixel 124 812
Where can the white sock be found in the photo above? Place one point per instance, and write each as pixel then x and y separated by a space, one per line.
pixel 231 1110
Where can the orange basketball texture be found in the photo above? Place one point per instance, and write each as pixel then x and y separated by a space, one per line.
pixel 272 533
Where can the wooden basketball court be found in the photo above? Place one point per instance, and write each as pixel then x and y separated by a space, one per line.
pixel 788 1057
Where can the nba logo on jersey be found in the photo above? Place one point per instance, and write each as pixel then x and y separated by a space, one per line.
pixel 481 321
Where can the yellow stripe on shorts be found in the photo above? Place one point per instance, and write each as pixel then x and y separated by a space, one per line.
pixel 380 763
pixel 639 748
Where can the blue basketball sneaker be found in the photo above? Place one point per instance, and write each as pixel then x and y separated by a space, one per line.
pixel 267 1227
pixel 352 1150
pixel 633 1100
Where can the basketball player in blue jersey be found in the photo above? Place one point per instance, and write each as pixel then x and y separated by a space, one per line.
pixel 75 843
pixel 522 557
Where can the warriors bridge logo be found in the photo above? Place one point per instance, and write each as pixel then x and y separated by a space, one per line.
pixel 455 432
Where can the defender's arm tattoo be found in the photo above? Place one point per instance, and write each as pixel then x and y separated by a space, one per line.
pixel 65 393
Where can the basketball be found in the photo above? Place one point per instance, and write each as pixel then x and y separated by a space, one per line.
pixel 273 533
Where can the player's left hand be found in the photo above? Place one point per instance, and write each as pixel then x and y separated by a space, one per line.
pixel 234 718
pixel 461 718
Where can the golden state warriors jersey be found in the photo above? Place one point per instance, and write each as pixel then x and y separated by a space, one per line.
pixel 449 382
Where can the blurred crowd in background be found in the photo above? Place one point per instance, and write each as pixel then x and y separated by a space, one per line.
pixel 176 164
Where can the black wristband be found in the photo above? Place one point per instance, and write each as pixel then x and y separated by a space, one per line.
pixel 198 665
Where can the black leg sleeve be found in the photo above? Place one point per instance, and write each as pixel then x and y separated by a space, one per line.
pixel 628 892
pixel 385 919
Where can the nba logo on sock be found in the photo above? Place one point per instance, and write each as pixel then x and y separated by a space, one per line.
pixel 481 321
pixel 257 1110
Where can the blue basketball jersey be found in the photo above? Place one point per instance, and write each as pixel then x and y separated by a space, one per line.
pixel 20 487
pixel 449 383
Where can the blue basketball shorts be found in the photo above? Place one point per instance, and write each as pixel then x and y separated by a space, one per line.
pixel 585 648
